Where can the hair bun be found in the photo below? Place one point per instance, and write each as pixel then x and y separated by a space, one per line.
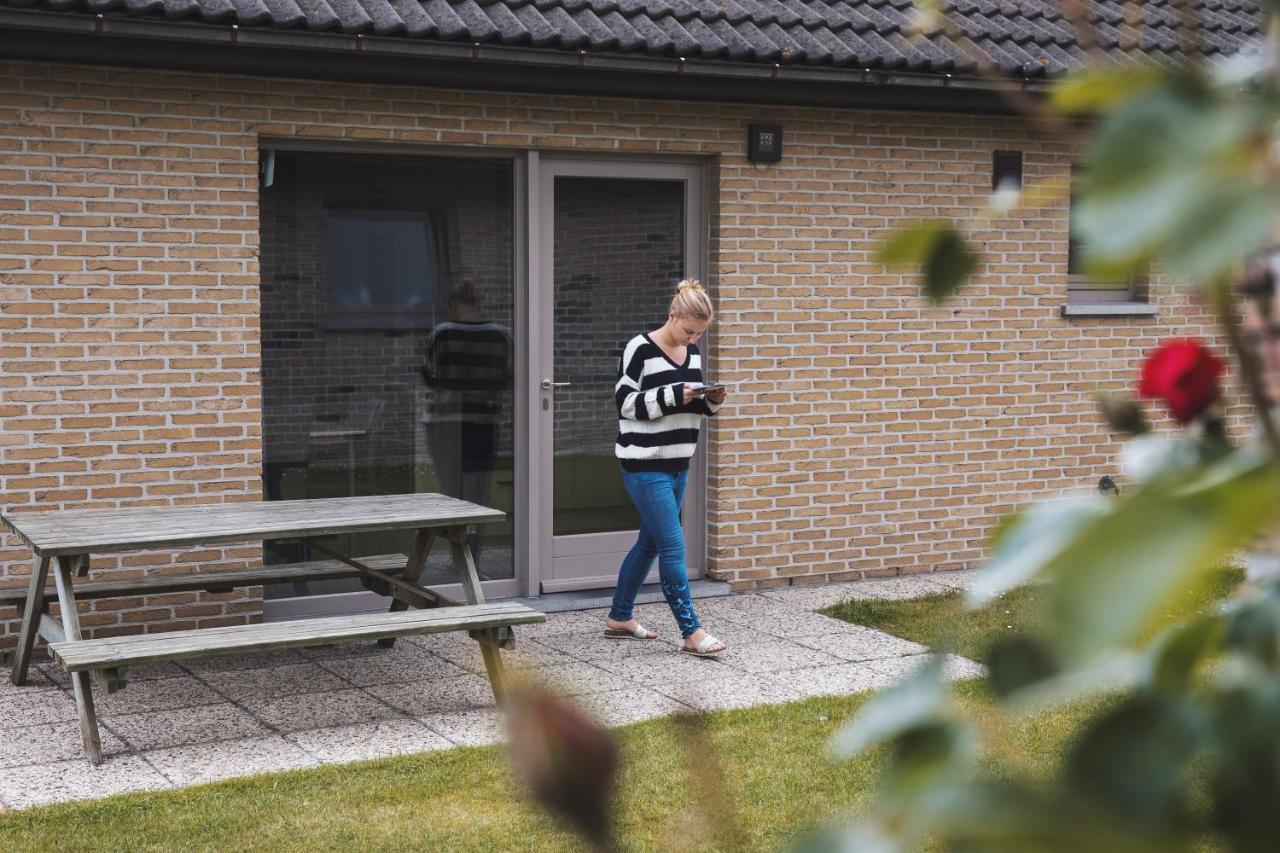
pixel 689 284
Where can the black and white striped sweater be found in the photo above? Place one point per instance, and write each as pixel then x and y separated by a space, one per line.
pixel 656 431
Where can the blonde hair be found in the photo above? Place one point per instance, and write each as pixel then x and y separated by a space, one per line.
pixel 692 302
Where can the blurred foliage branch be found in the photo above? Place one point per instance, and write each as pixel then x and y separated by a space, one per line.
pixel 1181 171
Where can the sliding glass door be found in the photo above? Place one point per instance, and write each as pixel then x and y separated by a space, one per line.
pixel 446 323
pixel 388 342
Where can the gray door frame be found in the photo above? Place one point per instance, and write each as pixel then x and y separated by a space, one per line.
pixel 551 558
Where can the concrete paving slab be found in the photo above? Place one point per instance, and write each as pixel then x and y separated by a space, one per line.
pixel 50 743
pixel 775 655
pixel 365 741
pixel 654 670
pixel 835 680
pixel 320 710
pixel 733 690
pixel 182 726
pixel 424 697
pixel 157 695
pixel 864 644
pixel 623 707
pixel 37 706
pixel 271 681
pixel 580 677
pixel 473 727
pixel 403 662
pixel 63 781
pixel 228 759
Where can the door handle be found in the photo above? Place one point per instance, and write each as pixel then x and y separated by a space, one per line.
pixel 547 385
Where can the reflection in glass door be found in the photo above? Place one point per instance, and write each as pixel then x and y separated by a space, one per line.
pixel 620 238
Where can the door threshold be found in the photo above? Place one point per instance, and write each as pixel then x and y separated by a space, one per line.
pixel 591 599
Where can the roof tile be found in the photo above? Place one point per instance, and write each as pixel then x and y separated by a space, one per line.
pixel 1021 37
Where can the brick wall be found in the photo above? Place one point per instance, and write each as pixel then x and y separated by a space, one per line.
pixel 868 433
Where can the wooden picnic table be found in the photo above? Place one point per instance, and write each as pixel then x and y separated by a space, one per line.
pixel 63 542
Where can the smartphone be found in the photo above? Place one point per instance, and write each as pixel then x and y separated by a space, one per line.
pixel 703 389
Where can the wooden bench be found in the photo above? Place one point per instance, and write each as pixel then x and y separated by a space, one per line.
pixel 63 542
pixel 113 653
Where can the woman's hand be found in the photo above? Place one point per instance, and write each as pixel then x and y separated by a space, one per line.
pixel 688 394
pixel 717 397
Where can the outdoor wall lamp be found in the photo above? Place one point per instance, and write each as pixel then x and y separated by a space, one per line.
pixel 1006 170
pixel 764 143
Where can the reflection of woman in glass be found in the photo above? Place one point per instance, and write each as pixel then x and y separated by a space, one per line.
pixel 468 366
pixel 659 414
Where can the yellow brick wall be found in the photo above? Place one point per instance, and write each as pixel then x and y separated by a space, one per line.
pixel 869 434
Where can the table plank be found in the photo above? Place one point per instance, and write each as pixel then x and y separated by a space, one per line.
pixel 131 528
pixel 316 570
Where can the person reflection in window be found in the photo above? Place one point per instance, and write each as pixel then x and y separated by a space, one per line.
pixel 468 367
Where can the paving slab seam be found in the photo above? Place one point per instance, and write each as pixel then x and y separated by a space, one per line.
pixel 399 714
pixel 102 725
pixel 435 732
pixel 365 688
pixel 256 718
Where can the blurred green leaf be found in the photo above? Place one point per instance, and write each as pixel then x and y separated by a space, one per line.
pixel 1228 222
pixel 1109 673
pixel 912 702
pixel 1165 175
pixel 1173 658
pixel 939 250
pixel 1123 567
pixel 987 817
pixel 1245 783
pixel 1254 630
pixel 1099 90
pixel 1015 663
pixel 1028 542
pixel 931 754
pixel 1133 758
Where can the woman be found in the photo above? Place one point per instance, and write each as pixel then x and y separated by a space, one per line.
pixel 659 412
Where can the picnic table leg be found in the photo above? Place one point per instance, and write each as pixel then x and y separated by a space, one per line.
pixel 413 571
pixel 81 683
pixel 465 564
pixel 30 621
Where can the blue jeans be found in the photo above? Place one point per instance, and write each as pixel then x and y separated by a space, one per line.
pixel 657 496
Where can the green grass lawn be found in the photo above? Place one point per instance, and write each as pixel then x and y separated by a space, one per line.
pixel 774 762
pixel 942 619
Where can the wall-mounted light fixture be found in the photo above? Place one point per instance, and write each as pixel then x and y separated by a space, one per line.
pixel 1006 170
pixel 764 143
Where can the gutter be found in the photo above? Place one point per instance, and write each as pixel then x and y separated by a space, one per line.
pixel 138 42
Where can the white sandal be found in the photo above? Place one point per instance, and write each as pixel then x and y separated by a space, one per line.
pixel 702 650
pixel 640 633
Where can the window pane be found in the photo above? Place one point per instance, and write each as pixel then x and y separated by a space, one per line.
pixel 377 273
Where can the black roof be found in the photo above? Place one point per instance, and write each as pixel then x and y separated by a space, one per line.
pixel 1028 38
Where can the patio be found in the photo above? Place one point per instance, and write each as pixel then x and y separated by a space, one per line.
pixel 218 718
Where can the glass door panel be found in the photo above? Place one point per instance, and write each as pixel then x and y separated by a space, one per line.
pixel 619 249
pixel 387 306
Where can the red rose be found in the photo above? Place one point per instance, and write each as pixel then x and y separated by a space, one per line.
pixel 1184 374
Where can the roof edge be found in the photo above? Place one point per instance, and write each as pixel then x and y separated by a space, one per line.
pixel 102 39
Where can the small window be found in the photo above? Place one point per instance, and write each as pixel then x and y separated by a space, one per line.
pixel 1084 289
